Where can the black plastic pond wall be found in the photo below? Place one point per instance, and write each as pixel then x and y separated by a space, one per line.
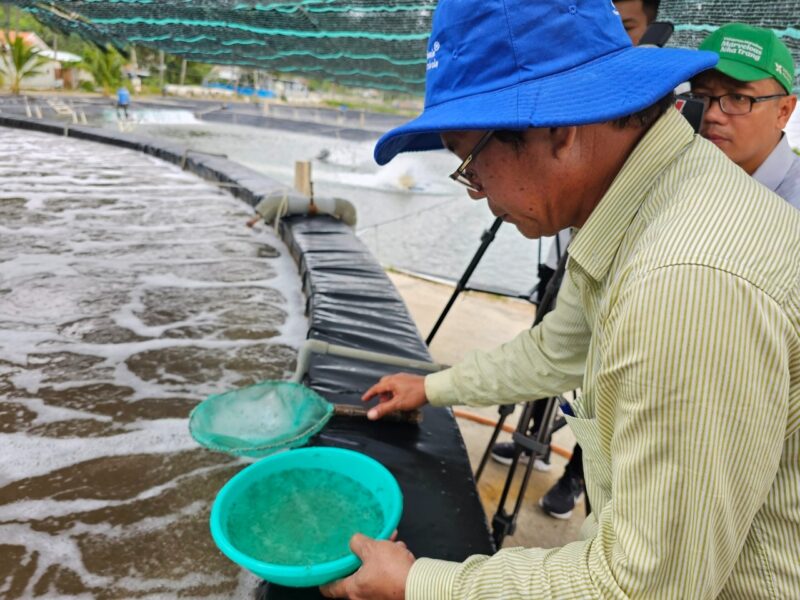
pixel 351 302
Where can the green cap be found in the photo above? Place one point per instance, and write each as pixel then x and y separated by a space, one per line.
pixel 750 53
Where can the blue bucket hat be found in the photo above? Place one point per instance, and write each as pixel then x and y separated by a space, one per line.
pixel 515 64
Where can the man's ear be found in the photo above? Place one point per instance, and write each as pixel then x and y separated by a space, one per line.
pixel 562 139
pixel 785 110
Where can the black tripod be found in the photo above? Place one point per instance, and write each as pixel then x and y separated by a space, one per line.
pixel 536 443
pixel 542 411
pixel 487 237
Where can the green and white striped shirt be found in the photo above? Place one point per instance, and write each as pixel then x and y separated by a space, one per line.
pixel 680 319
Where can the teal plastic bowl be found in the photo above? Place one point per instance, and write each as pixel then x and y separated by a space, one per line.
pixel 361 469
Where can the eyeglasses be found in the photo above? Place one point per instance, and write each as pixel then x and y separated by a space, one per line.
pixel 734 104
pixel 460 174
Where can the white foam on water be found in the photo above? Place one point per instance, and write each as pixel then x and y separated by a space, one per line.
pixel 178 584
pixel 151 115
pixel 35 203
pixel 405 174
pixel 64 552
pixel 115 353
pixel 247 583
pixel 145 525
pixel 43 509
pixel 16 344
pixel 47 413
pixel 29 380
pixel 128 318
pixel 354 156
pixel 57 550
pixel 295 328
pixel 145 389
pixel 175 281
pixel 28 265
pixel 34 456
pixel 91 221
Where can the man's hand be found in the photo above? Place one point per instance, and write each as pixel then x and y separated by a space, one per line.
pixel 383 573
pixel 401 391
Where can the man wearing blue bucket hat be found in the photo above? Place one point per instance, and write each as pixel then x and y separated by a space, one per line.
pixel 677 317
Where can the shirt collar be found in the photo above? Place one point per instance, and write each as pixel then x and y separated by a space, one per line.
pixel 774 169
pixel 596 244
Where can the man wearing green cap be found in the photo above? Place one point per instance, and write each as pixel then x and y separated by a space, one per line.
pixel 749 100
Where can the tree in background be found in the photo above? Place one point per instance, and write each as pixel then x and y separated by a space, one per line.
pixel 19 61
pixel 148 59
pixel 195 72
pixel 105 67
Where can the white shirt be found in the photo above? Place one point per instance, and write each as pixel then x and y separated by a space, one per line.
pixel 780 172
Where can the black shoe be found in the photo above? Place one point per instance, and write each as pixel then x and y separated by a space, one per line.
pixel 560 501
pixel 504 454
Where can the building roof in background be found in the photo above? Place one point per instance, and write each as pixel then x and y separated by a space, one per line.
pixel 60 56
pixel 29 37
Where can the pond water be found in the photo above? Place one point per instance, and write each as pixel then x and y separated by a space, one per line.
pixel 129 290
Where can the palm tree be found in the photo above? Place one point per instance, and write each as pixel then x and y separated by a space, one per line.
pixel 19 61
pixel 105 67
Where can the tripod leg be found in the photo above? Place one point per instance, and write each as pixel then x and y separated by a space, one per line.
pixel 503 523
pixel 486 238
pixel 504 410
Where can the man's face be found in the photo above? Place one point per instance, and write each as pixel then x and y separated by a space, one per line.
pixel 634 18
pixel 505 175
pixel 525 186
pixel 746 139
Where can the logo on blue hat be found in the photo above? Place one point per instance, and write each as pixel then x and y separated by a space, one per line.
pixel 614 8
pixel 432 62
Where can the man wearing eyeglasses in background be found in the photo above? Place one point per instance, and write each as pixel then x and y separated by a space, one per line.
pixel 749 101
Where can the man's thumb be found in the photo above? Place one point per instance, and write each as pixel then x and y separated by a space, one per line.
pixel 360 545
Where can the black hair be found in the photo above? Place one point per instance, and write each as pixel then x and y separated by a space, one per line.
pixel 647 116
pixel 651 8
pixel 515 137
pixel 643 118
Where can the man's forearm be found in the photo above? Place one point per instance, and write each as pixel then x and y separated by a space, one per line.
pixel 544 361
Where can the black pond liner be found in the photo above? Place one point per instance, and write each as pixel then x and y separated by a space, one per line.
pixel 349 301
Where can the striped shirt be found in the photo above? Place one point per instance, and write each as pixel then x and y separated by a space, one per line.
pixel 680 319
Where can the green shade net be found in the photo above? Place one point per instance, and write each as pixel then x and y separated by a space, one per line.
pixel 365 43
pixel 360 43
